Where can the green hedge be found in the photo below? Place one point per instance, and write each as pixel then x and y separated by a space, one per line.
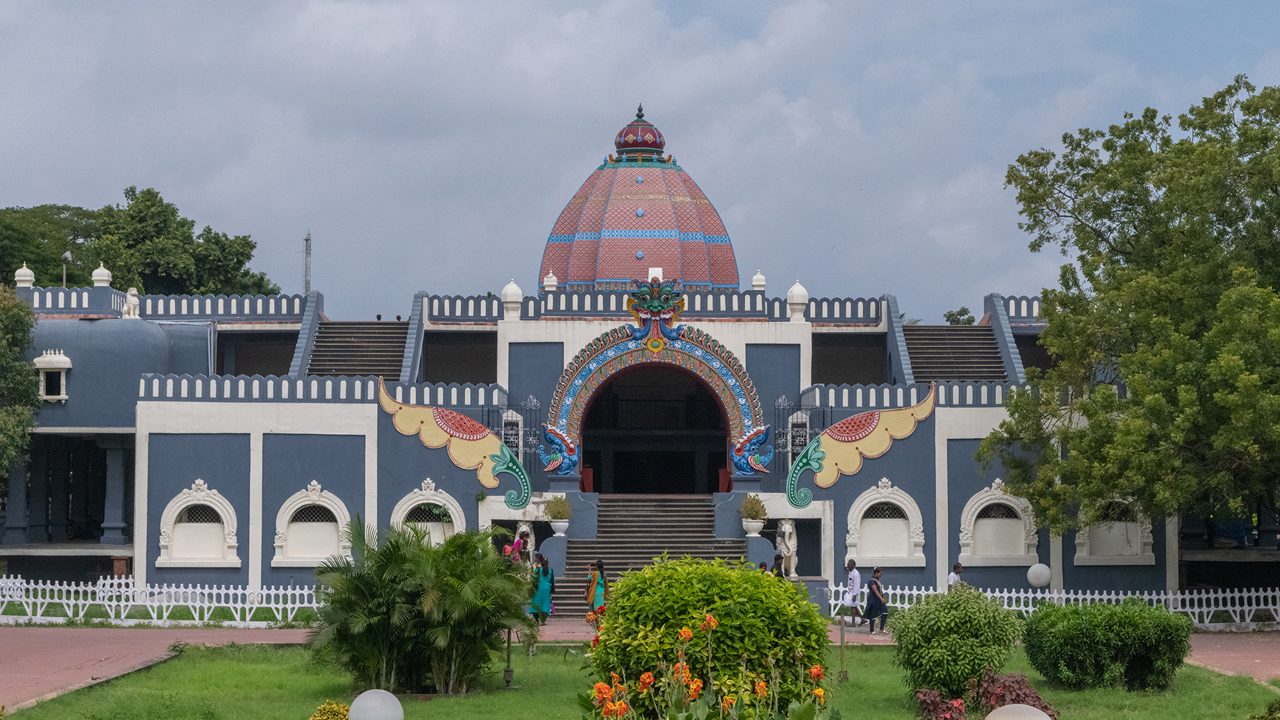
pixel 1131 644
pixel 767 628
pixel 947 640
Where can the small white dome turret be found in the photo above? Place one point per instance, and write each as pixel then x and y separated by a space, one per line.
pixel 797 301
pixel 511 292
pixel 101 276
pixel 757 281
pixel 24 277
pixel 550 282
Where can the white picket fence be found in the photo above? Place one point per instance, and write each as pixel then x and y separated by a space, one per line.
pixel 1249 609
pixel 120 601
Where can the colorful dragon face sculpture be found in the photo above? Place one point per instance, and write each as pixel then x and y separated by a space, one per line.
pixel 656 305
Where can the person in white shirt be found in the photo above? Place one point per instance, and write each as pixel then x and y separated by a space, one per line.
pixel 852 588
pixel 954 577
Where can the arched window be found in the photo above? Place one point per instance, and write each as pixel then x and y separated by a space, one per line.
pixel 431 509
pixel 885 528
pixel 198 529
pixel 998 529
pixel 1119 537
pixel 311 527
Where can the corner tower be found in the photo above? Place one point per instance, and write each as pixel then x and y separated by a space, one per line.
pixel 637 211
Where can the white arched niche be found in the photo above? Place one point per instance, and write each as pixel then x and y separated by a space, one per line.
pixel 998 529
pixel 198 529
pixel 429 494
pixel 1123 537
pixel 311 527
pixel 885 529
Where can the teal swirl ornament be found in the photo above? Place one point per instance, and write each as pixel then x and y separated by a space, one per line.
pixel 809 459
pixel 506 462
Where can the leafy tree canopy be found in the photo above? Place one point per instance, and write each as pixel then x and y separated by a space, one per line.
pixel 960 316
pixel 19 388
pixel 1165 327
pixel 146 243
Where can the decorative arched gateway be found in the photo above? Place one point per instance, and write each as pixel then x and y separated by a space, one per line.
pixel 656 339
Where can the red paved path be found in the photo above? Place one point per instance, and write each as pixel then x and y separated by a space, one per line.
pixel 37 663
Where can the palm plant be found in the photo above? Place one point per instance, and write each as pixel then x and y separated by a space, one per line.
pixel 401 614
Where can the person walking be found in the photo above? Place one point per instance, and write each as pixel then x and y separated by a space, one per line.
pixel 778 570
pixel 544 584
pixel 877 604
pixel 597 587
pixel 852 588
pixel 954 577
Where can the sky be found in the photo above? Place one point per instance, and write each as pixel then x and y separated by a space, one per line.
pixel 858 147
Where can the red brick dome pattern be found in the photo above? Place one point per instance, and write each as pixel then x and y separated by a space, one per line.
pixel 635 212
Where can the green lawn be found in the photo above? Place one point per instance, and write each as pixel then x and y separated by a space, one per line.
pixel 266 683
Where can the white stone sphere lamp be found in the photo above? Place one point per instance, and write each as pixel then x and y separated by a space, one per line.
pixel 376 705
pixel 1038 575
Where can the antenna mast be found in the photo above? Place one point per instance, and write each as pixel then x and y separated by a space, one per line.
pixel 306 267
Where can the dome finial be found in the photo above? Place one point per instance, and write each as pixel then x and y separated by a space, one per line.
pixel 640 111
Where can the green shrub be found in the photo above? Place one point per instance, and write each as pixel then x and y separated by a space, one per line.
pixel 330 710
pixel 949 639
pixel 766 629
pixel 1272 712
pixel 558 508
pixel 403 615
pixel 1088 646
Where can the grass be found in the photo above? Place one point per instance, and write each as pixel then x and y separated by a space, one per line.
pixel 266 683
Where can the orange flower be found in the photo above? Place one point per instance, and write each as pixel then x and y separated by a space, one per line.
pixel 602 692
pixel 678 672
pixel 762 688
pixel 695 688
pixel 821 695
pixel 600 628
pixel 591 617
pixel 727 702
pixel 621 707
pixel 611 709
pixel 595 641
pixel 685 634
pixel 710 623
pixel 815 672
pixel 615 677
pixel 646 681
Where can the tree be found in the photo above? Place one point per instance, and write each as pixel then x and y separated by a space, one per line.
pixel 960 316
pixel 19 385
pixel 149 245
pixel 1165 327
pixel 40 235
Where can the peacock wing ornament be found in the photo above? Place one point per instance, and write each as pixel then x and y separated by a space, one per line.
pixel 471 445
pixel 841 448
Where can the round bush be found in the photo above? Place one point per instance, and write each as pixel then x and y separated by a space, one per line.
pixel 946 640
pixel 767 628
pixel 1090 646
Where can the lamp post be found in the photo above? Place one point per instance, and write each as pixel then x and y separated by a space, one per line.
pixel 507 672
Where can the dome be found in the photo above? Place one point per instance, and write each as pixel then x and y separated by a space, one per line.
pixel 511 292
pixel 24 277
pixel 101 276
pixel 635 212
pixel 797 295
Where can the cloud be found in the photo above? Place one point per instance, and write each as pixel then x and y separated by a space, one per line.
pixel 859 147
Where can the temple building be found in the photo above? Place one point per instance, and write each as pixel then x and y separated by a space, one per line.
pixel 230 439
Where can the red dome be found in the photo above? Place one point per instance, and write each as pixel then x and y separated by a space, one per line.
pixel 636 212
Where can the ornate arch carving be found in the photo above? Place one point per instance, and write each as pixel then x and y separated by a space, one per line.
pixel 198 494
pixel 656 339
pixel 885 492
pixel 428 493
pixel 312 494
pixel 969 516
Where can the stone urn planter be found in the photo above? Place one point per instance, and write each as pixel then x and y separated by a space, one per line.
pixel 559 526
pixel 753 514
pixel 753 527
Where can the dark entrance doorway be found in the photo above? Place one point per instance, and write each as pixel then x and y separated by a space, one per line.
pixel 655 429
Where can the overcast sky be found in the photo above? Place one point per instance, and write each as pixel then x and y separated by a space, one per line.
pixel 859 147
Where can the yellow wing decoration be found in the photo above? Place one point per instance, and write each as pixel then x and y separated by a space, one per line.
pixel 841 448
pixel 471 445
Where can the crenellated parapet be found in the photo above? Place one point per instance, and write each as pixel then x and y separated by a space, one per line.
pixel 273 389
pixel 1022 308
pixel 871 397
pixel 462 308
pixel 241 308
pixel 707 304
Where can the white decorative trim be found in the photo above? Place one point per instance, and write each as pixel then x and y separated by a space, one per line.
pixel 885 492
pixel 53 361
pixel 513 416
pixel 198 494
pixel 428 493
pixel 313 494
pixel 1144 556
pixel 991 496
pixel 797 418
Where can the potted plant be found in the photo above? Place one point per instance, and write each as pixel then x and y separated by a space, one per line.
pixel 753 514
pixel 558 510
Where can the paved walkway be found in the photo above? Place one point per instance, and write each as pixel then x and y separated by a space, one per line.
pixel 37 663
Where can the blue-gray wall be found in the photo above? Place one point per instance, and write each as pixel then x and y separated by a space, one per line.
pixel 289 462
pixel 174 462
pixel 775 371
pixel 404 462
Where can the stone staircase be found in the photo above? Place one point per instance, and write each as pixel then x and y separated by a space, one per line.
pixel 954 352
pixel 634 529
pixel 359 348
